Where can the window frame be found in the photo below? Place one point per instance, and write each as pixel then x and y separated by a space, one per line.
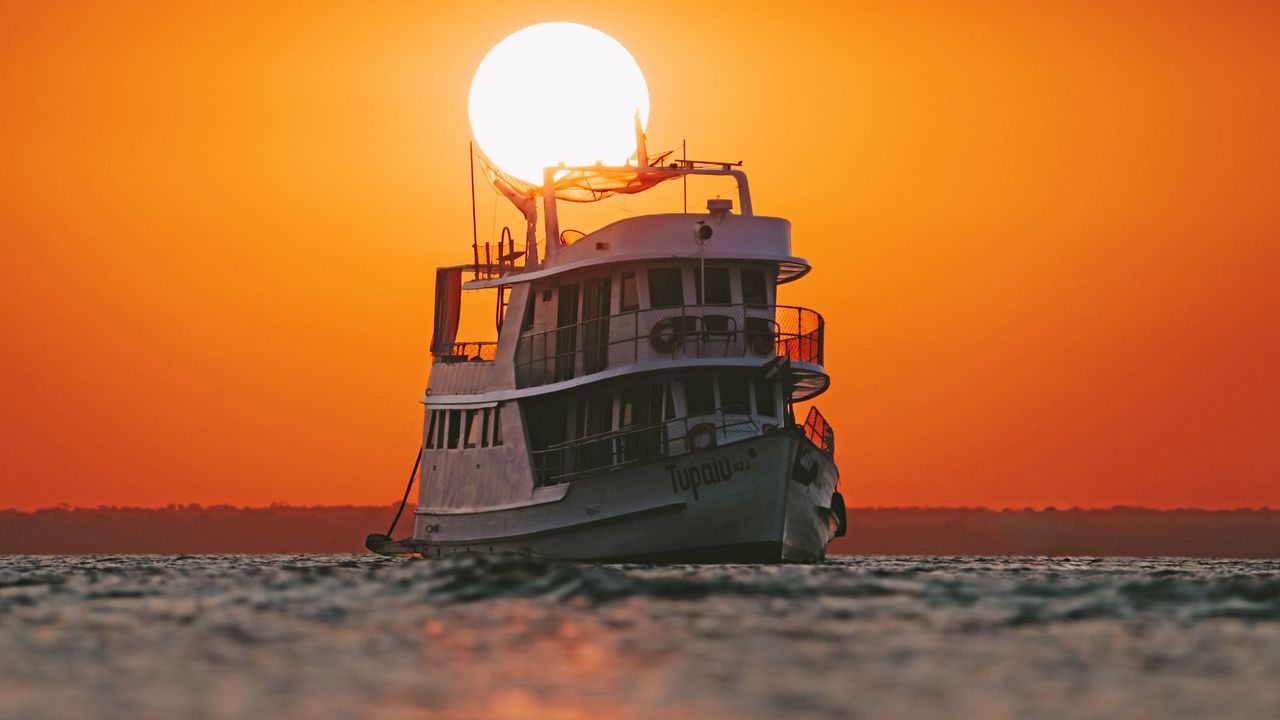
pixel 623 279
pixel 470 429
pixel 432 419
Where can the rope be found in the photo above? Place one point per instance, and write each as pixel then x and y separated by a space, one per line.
pixel 412 473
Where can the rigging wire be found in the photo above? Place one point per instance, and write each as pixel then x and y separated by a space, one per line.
pixel 493 217
pixel 412 473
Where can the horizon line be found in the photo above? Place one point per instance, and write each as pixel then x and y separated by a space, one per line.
pixel 66 507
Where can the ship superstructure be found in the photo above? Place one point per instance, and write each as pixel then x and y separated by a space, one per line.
pixel 638 403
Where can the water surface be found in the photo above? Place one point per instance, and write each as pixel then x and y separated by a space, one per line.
pixel 348 636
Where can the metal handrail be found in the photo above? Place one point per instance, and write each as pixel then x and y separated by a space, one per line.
pixel 620 448
pixel 687 331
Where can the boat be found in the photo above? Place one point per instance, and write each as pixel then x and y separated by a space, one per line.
pixel 639 401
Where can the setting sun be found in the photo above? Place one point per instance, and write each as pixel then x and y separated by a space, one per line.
pixel 373 359
pixel 557 93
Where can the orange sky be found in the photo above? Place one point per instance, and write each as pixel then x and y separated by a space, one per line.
pixel 1046 236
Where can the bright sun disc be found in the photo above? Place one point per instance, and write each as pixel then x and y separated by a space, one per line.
pixel 557 92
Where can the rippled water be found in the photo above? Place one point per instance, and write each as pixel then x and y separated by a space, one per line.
pixel 509 637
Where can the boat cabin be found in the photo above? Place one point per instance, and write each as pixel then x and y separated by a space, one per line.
pixel 652 337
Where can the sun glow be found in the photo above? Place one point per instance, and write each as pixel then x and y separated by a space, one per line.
pixel 557 92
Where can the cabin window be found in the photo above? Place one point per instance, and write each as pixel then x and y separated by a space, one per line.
pixel 640 407
pixel 471 438
pixel 567 305
pixel 666 288
pixel 594 418
pixel 629 296
pixel 579 428
pixel 766 401
pixel 699 395
pixel 497 425
pixel 629 406
pixel 641 404
pixel 527 321
pixel 595 413
pixel 754 291
pixel 717 286
pixel 735 394
pixel 484 427
pixel 439 444
pixel 657 393
pixel 455 427
pixel 431 429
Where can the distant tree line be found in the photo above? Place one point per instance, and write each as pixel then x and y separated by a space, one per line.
pixel 1118 531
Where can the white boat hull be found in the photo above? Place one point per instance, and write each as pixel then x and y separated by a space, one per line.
pixel 764 499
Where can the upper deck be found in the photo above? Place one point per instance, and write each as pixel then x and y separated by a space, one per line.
pixel 628 298
pixel 745 335
pixel 608 319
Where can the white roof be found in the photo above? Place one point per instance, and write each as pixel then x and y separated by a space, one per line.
pixel 670 236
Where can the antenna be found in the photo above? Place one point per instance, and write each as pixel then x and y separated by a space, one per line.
pixel 684 179
pixel 475 250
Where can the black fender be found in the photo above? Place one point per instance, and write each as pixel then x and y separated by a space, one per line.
pixel 842 517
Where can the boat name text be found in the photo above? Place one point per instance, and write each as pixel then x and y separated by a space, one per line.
pixel 693 477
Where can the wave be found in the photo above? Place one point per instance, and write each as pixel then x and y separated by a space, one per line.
pixel 966 591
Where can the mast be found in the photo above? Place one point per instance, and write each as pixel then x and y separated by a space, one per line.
pixel 550 217
pixel 684 179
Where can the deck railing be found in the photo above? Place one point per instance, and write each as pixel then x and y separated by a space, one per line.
pixel 818 431
pixel 690 331
pixel 491 260
pixel 616 449
pixel 470 352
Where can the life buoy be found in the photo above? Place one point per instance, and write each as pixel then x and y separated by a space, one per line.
pixel 666 335
pixel 701 437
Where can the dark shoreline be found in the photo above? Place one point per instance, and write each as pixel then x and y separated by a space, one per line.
pixel 1119 531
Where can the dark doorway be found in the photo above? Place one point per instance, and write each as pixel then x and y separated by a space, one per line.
pixel 567 332
pixel 641 415
pixel 547 421
pixel 595 324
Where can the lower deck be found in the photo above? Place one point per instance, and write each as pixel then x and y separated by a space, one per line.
pixel 496 454
pixel 763 499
